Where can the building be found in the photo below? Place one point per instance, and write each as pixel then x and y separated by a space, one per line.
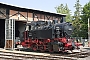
pixel 14 18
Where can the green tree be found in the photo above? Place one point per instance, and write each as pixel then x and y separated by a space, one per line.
pixel 77 22
pixel 85 16
pixel 78 10
pixel 86 13
pixel 64 10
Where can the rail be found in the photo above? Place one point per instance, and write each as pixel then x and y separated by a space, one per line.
pixel 20 55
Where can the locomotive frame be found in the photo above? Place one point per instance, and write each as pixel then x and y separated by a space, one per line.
pixel 52 37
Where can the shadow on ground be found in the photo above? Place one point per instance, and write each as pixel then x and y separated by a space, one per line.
pixel 87 48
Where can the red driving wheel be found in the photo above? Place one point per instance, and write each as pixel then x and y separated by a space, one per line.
pixel 42 48
pixel 34 47
pixel 50 49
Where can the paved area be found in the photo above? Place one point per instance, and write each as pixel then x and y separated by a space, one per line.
pixel 85 49
pixel 23 52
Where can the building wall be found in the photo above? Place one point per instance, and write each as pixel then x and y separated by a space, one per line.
pixel 6 13
pixel 20 16
pixel 2 13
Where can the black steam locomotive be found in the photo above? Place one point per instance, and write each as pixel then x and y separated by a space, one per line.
pixel 49 36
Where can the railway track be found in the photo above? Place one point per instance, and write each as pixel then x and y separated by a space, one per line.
pixel 18 56
pixel 55 56
pixel 82 54
pixel 21 56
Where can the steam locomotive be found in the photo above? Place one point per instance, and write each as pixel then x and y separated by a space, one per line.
pixel 49 36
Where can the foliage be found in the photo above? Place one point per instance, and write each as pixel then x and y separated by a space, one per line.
pixel 85 16
pixel 81 21
pixel 77 22
pixel 64 10
pixel 86 13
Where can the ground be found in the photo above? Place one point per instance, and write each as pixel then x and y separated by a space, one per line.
pixel 86 48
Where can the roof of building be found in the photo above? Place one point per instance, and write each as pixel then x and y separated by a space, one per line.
pixel 25 9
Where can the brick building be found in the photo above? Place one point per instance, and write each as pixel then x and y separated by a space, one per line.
pixel 13 18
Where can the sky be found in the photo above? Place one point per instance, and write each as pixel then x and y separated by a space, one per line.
pixel 44 5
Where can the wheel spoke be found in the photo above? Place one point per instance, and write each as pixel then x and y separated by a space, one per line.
pixel 34 47
pixel 50 49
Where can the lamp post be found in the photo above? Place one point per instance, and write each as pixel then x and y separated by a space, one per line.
pixel 88 33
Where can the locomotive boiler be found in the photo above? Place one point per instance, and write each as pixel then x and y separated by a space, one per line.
pixel 49 36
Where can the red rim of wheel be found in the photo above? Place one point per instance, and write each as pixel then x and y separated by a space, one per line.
pixel 42 49
pixel 34 48
pixel 51 49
